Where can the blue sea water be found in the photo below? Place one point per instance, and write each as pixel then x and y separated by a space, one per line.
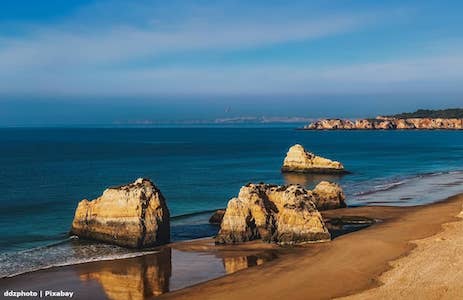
pixel 45 172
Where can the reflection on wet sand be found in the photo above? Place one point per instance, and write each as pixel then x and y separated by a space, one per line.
pixel 309 180
pixel 143 277
pixel 234 264
pixel 154 274
pixel 345 224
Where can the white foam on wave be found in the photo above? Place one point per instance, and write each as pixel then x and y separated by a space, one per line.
pixel 64 253
pixel 382 187
pixel 419 189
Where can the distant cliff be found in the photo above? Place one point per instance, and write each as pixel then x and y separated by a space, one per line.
pixel 451 119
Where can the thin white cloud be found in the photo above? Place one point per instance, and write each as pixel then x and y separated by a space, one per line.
pixel 55 48
pixel 421 74
pixel 80 60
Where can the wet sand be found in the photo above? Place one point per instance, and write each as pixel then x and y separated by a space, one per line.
pixel 171 268
pixel 347 265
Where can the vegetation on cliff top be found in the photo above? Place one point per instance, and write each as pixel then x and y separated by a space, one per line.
pixel 449 113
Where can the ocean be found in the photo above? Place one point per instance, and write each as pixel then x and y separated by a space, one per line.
pixel 45 172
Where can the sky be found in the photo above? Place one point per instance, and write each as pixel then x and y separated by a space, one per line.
pixel 95 62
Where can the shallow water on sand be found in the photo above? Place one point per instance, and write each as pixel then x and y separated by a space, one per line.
pixel 144 276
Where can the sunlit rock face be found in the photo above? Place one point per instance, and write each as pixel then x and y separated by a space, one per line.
pixel 387 123
pixel 279 214
pixel 328 195
pixel 299 160
pixel 133 215
pixel 135 279
pixel 427 123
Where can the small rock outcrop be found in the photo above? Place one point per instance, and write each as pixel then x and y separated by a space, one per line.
pixel 328 195
pixel 278 214
pixel 217 217
pixel 299 160
pixel 133 215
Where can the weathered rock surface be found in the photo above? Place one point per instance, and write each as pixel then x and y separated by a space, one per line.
pixel 133 215
pixel 387 123
pixel 328 195
pixel 299 160
pixel 279 214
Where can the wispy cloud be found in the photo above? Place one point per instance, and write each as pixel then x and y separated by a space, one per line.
pixel 57 47
pixel 424 74
pixel 74 58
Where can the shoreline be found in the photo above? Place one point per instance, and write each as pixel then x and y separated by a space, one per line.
pixel 318 271
pixel 289 275
pixel 432 270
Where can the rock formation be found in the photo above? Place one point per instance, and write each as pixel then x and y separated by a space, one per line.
pixel 299 160
pixel 133 215
pixel 387 123
pixel 328 195
pixel 217 217
pixel 279 214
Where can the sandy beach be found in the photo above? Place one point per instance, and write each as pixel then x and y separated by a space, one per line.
pixel 345 266
pixel 433 270
pixel 380 260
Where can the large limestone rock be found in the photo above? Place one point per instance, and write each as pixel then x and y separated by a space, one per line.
pixel 280 214
pixel 133 215
pixel 328 195
pixel 299 160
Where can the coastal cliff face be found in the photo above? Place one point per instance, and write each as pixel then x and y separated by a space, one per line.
pixel 280 214
pixel 299 160
pixel 133 215
pixel 386 123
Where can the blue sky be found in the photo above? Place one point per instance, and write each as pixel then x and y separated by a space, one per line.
pixel 102 61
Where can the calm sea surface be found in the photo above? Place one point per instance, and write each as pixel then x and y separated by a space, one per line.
pixel 44 173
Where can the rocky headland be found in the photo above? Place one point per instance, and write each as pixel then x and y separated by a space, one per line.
pixel 299 160
pixel 387 123
pixel 277 214
pixel 133 215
